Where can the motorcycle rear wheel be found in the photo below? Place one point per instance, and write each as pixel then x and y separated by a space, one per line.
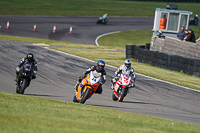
pixel 114 97
pixel 75 100
pixel 85 96
pixel 99 21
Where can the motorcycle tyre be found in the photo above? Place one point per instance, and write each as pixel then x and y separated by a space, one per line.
pixel 105 23
pixel 122 95
pixel 114 98
pixel 85 96
pixel 99 21
pixel 22 86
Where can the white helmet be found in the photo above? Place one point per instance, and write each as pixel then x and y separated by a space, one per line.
pixel 196 16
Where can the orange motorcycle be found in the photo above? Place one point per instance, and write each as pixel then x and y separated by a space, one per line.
pixel 87 87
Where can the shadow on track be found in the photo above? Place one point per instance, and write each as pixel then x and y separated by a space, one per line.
pixel 118 107
pixel 42 95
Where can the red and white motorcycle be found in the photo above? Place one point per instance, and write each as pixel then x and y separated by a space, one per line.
pixel 122 86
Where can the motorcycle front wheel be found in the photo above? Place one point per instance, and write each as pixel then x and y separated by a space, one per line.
pixel 22 86
pixel 122 94
pixel 85 96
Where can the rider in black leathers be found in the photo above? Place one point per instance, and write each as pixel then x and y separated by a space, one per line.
pixel 30 58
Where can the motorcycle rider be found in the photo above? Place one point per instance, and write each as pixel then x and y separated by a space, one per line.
pixel 105 17
pixel 99 68
pixel 125 67
pixel 28 58
pixel 196 19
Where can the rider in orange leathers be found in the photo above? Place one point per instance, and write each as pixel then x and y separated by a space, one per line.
pixel 99 68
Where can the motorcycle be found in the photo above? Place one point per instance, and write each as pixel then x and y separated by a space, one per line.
pixel 194 21
pixel 24 78
pixel 122 86
pixel 102 20
pixel 82 93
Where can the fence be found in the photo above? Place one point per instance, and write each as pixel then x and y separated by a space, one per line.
pixel 172 62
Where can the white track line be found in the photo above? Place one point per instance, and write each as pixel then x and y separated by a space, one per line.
pixel 96 41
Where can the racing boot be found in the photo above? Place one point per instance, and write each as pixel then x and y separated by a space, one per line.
pixel 133 84
pixel 16 80
pixel 113 82
pixel 112 87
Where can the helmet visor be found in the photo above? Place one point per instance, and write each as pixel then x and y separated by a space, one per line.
pixel 127 65
pixel 30 57
pixel 101 66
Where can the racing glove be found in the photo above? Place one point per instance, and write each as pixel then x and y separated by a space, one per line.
pixel 17 69
pixel 133 83
pixel 80 79
pixel 35 72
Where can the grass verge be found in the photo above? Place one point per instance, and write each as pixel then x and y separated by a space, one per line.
pixel 21 113
pixel 88 7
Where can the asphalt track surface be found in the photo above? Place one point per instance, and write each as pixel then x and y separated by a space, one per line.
pixel 84 29
pixel 59 71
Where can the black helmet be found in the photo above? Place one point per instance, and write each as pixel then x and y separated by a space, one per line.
pixel 100 65
pixel 30 56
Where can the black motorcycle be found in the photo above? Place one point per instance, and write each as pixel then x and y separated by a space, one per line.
pixel 102 20
pixel 24 78
pixel 194 21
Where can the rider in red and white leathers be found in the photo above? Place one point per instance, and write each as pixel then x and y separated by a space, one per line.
pixel 122 69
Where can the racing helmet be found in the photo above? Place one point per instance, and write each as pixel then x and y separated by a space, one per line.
pixel 30 56
pixel 196 16
pixel 100 65
pixel 127 63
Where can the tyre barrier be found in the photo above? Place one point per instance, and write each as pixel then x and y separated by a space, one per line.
pixel 141 53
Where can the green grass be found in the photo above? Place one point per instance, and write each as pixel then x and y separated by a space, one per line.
pixel 29 114
pixel 121 39
pixel 196 30
pixel 87 7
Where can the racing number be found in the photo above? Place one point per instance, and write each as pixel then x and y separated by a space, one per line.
pixel 94 79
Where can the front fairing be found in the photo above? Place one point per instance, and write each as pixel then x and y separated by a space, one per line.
pixel 91 81
pixel 26 71
pixel 94 81
pixel 126 79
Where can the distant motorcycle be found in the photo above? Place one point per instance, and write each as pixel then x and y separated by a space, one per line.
pixel 24 78
pixel 103 20
pixel 92 82
pixel 124 83
pixel 194 21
